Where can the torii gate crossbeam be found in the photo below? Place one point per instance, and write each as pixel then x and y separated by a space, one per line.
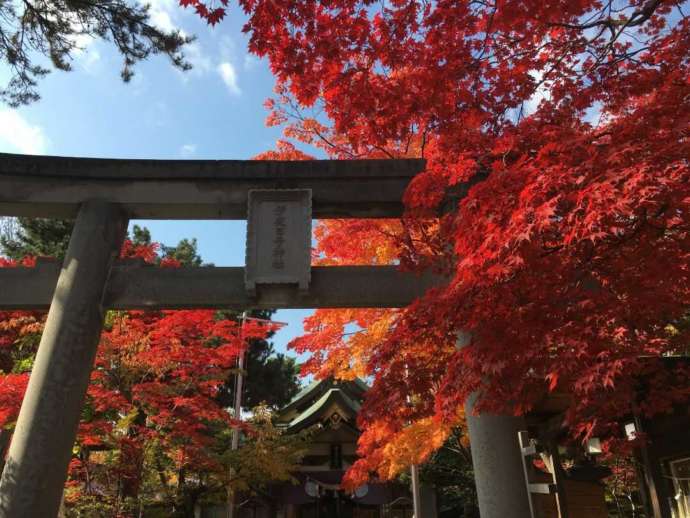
pixel 102 195
pixel 54 187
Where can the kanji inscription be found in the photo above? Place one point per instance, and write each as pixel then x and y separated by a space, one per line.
pixel 278 238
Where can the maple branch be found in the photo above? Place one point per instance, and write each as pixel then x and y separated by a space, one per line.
pixel 423 146
pixel 408 142
pixel 489 27
pixel 638 17
pixel 297 114
pixel 383 150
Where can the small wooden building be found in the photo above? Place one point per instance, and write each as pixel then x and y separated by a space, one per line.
pixel 663 460
pixel 664 477
pixel 329 408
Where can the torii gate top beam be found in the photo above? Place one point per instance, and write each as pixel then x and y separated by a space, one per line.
pixel 53 187
pixel 103 195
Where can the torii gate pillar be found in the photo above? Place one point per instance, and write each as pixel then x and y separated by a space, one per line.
pixel 498 471
pixel 496 460
pixel 41 448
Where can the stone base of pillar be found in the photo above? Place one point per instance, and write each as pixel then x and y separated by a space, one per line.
pixel 498 471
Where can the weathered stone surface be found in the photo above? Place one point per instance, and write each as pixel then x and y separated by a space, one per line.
pixel 148 287
pixel 199 189
pixel 278 238
pixel 36 468
pixel 498 472
pixel 146 169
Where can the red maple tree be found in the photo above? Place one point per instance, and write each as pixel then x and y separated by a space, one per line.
pixel 558 133
pixel 152 404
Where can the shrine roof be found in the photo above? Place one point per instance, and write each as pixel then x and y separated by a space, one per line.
pixel 315 411
pixel 354 389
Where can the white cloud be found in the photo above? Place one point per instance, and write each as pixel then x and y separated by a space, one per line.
pixel 229 75
pixel 20 135
pixel 162 12
pixel 162 20
pixel 83 52
pixel 81 41
pixel 187 150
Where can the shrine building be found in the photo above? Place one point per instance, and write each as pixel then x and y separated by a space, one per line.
pixel 329 408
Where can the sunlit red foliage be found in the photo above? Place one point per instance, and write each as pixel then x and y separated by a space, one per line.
pixel 563 128
pixel 155 381
pixel 17 329
pixel 284 151
pixel 212 11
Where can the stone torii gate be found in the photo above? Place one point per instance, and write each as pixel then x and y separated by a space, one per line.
pixel 279 199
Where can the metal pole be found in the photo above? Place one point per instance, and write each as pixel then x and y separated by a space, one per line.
pixel 414 473
pixel 416 493
pixel 41 448
pixel 239 385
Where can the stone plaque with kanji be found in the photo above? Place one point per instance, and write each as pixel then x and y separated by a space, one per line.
pixel 278 238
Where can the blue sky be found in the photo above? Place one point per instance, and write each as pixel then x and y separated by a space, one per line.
pixel 214 111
